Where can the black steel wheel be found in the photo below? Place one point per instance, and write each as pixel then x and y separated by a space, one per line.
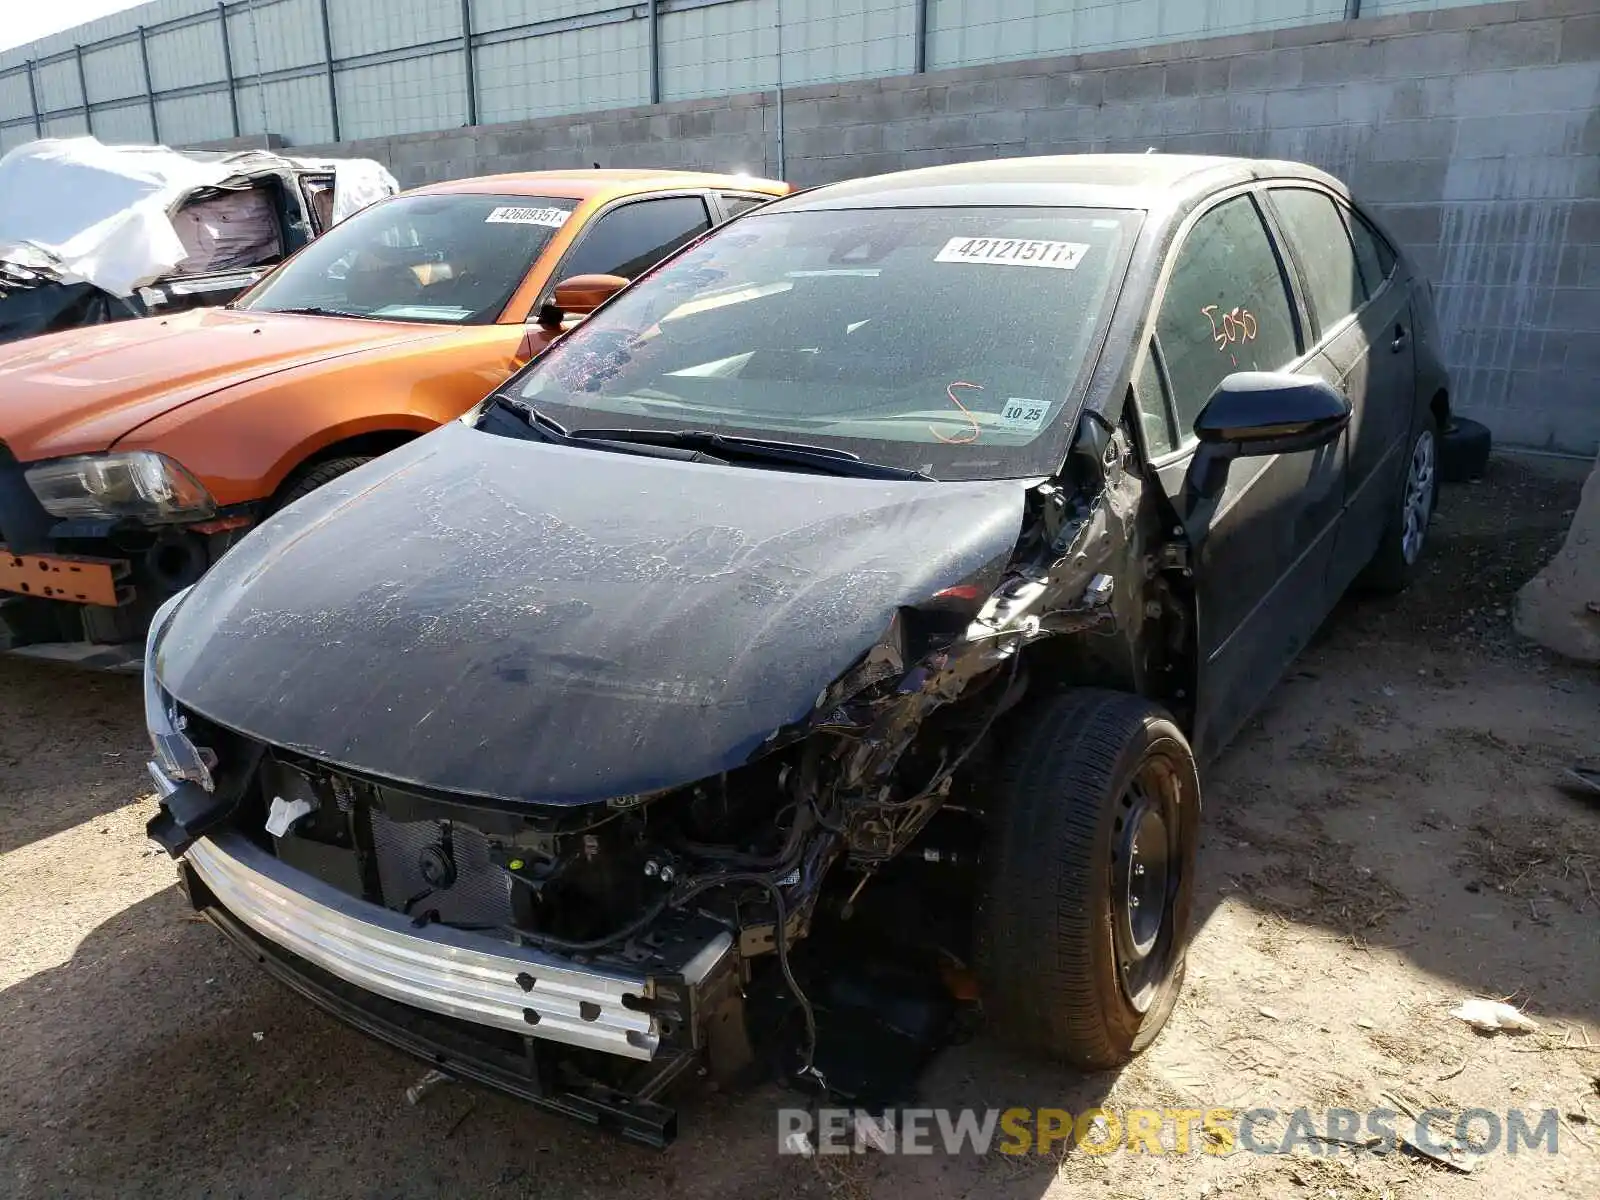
pixel 1089 877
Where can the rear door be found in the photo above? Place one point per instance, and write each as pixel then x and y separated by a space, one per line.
pixel 1364 341
pixel 1260 553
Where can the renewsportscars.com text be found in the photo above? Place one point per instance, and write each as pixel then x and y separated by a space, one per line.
pixel 1214 1131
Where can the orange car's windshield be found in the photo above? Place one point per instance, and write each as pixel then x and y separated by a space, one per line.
pixel 450 259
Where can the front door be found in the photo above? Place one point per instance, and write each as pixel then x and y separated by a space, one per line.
pixel 1260 553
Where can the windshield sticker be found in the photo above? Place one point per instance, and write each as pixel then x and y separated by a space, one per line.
pixel 1020 413
pixel 1013 252
pixel 550 218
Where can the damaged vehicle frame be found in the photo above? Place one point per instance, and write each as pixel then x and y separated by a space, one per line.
pixel 864 583
pixel 278 202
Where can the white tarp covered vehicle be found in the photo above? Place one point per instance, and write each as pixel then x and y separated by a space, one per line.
pixel 92 233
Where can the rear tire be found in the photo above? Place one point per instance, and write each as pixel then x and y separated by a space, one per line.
pixel 1463 450
pixel 1405 538
pixel 308 479
pixel 1069 890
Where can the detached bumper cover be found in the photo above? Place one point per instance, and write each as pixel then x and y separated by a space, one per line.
pixel 451 972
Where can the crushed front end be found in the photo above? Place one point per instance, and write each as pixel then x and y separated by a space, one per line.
pixel 805 906
pixel 583 957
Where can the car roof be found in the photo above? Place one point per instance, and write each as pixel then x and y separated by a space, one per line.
pixel 1136 181
pixel 596 183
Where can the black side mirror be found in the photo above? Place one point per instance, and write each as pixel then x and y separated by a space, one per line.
pixel 1257 413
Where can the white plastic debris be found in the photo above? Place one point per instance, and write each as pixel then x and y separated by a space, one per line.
pixel 429 1081
pixel 1492 1016
pixel 259 1035
pixel 284 813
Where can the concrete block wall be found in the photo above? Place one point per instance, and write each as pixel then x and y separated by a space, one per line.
pixel 1473 131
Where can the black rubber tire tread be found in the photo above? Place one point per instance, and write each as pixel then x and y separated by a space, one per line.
pixel 1463 450
pixel 1045 954
pixel 1388 574
pixel 308 479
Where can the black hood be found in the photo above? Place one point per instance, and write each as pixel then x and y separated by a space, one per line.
pixel 512 619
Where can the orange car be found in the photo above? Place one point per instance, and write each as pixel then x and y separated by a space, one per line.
pixel 133 455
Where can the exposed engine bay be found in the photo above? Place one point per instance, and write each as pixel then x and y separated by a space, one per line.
pixel 840 864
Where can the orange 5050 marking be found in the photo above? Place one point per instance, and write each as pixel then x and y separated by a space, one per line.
pixel 1236 325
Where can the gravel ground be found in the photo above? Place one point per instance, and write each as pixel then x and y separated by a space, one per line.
pixel 1386 840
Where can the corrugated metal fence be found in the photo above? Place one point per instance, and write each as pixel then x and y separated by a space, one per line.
pixel 318 71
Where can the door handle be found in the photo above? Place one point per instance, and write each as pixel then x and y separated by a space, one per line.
pixel 1399 342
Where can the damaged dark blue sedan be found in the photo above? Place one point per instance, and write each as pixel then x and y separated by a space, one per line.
pixel 818 642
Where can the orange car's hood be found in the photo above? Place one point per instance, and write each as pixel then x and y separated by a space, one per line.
pixel 77 392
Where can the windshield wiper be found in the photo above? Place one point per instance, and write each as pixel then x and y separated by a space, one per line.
pixel 311 310
pixel 548 429
pixel 735 447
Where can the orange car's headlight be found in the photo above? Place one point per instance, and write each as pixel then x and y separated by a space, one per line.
pixel 139 484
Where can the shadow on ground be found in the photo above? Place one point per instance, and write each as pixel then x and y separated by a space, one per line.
pixel 158 1062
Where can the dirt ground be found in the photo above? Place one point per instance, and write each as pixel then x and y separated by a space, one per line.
pixel 1388 839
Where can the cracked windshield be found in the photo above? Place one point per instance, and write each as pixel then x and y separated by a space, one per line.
pixel 452 259
pixel 948 340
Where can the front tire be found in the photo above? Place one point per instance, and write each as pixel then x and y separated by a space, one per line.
pixel 1089 878
pixel 308 479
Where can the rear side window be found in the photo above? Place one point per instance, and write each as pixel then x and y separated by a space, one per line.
pixel 1317 230
pixel 629 240
pixel 1226 308
pixel 733 204
pixel 318 191
pixel 1374 254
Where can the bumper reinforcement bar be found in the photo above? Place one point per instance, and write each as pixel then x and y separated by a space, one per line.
pixel 452 972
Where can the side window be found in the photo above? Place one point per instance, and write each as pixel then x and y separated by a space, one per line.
pixel 1226 308
pixel 734 204
pixel 1372 252
pixel 223 229
pixel 629 240
pixel 1313 224
pixel 1152 404
pixel 318 191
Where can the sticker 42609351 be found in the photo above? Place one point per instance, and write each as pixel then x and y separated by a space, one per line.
pixel 551 218
pixel 1013 252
